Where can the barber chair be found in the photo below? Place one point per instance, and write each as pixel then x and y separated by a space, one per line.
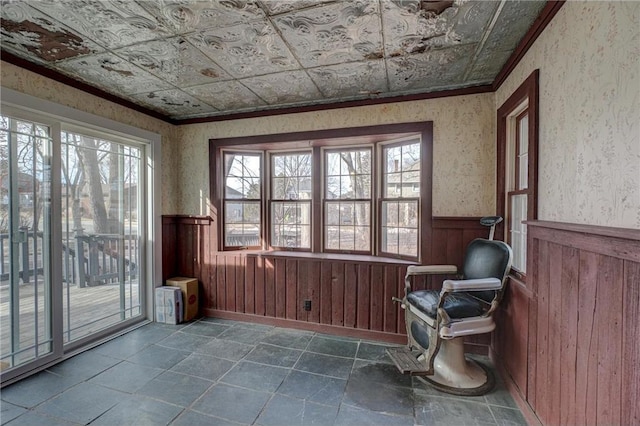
pixel 437 321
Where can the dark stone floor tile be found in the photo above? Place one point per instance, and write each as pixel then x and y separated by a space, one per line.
pixel 284 410
pixel 185 342
pixel 324 364
pixel 126 377
pixel 379 397
pixel 248 335
pixel 375 372
pixel 373 352
pixel 256 376
pixel 123 347
pixel 507 416
pixel 288 338
pixel 158 357
pixel 31 418
pixel 222 321
pixel 500 396
pixel 84 366
pixel 202 328
pixel 232 403
pixel 149 333
pixel 82 403
pixel 226 349
pixel 330 346
pixel 138 411
pixel 36 389
pixel 203 366
pixel 176 388
pixel 434 410
pixel 191 418
pixel 9 411
pixel 349 416
pixel 312 387
pixel 274 355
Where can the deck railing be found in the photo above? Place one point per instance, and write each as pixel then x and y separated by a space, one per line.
pixel 103 259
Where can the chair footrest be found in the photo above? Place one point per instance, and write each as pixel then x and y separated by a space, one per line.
pixel 406 361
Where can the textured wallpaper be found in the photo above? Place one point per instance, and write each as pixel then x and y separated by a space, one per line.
pixel 589 164
pixel 24 81
pixel 463 151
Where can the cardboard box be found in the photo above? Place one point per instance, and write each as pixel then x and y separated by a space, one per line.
pixel 168 305
pixel 189 287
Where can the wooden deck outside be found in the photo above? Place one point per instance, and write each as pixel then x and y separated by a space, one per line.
pixel 85 311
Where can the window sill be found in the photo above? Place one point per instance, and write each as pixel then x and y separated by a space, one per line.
pixel 331 256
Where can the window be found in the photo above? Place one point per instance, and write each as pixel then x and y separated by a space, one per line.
pixel 291 200
pixel 242 199
pixel 517 170
pixel 347 198
pixel 353 191
pixel 399 202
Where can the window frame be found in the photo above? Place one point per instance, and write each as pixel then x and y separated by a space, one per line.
pixel 371 200
pixel 224 200
pixel 316 141
pixel 270 199
pixel 511 109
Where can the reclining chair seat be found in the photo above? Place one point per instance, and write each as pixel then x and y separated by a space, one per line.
pixel 456 305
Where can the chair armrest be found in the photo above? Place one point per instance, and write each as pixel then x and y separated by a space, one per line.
pixel 472 285
pixel 431 270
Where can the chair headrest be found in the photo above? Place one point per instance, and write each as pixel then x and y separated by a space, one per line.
pixel 487 258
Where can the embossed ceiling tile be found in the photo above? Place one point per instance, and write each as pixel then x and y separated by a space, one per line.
pixel 488 65
pixel 353 79
pixel 188 15
pixel 513 23
pixel 346 31
pixel 472 19
pixel 436 69
pixel 227 95
pixel 29 33
pixel 174 60
pixel 414 26
pixel 112 74
pixel 283 88
pixel 245 50
pixel 276 7
pixel 111 23
pixel 175 103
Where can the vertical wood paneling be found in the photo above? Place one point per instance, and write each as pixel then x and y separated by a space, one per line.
pixel 291 288
pixel 533 247
pixel 542 401
pixel 439 247
pixel 206 283
pixel 554 336
pixel 249 285
pixel 325 293
pixel 350 294
pixel 269 288
pixel 587 344
pixel 376 306
pixel 230 272
pixel 221 287
pixel 631 349
pixel 240 281
pixel 609 325
pixel 314 291
pixel 337 293
pixel 364 301
pixel 401 272
pixel 281 287
pixel 260 287
pixel 390 289
pixel 303 290
pixel 568 333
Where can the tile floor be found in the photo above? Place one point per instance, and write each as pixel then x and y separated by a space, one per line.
pixel 219 372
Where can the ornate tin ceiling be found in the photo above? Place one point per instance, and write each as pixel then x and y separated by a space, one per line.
pixel 192 58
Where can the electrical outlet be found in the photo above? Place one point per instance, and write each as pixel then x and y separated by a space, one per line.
pixel 307 305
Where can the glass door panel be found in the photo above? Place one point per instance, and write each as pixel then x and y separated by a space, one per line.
pixel 26 332
pixel 101 233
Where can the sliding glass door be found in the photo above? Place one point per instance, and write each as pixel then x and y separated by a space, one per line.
pixel 72 232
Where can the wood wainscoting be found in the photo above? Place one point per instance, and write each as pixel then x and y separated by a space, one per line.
pixel 569 338
pixel 350 295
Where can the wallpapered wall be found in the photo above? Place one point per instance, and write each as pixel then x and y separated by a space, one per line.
pixel 24 81
pixel 589 147
pixel 463 148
